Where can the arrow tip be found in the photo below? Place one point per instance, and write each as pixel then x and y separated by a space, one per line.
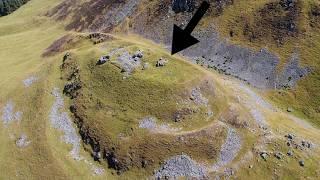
pixel 181 40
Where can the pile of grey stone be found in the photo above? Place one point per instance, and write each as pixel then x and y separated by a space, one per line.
pixel 180 166
pixel 303 144
pixel 22 141
pixel 197 97
pixel 129 63
pixel 161 62
pixel 229 149
pixel 60 120
pixel 9 115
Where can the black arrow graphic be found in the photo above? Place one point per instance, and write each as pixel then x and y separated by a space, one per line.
pixel 182 39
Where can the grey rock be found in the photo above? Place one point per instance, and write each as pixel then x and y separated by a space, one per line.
pixel 144 163
pixel 292 73
pixel 259 68
pixel 209 113
pixel 22 141
pixel 127 63
pixel 29 81
pixel 198 98
pixel 264 155
pixel 290 136
pixel 180 166
pixel 229 149
pixel 301 163
pixel 148 123
pixel 138 54
pixel 103 60
pixel 278 155
pixel 9 114
pixel 97 171
pixel 97 155
pixel 161 62
pixel 60 120
pixel 66 56
pixel 290 153
pixel 306 144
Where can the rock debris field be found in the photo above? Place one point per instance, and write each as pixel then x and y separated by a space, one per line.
pixel 9 115
pixel 60 120
pixel 180 166
pixel 229 149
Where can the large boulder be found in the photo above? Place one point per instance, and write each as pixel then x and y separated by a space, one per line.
pixel 103 60
pixel 161 62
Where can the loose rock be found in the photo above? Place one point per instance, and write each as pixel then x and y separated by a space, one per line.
pixel 290 136
pixel 103 60
pixel 264 155
pixel 66 56
pixel 301 163
pixel 9 115
pixel 180 166
pixel 138 54
pixel 22 141
pixel 161 62
pixel 278 155
pixel 306 144
pixel 127 63
pixel 60 120
pixel 198 98
pixel 229 149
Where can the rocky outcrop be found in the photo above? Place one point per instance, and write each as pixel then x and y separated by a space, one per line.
pixel 181 166
pixel 292 73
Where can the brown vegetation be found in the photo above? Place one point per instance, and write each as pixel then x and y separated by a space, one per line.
pixel 276 20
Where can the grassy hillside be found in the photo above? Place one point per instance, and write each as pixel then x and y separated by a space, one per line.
pixel 24 36
pixel 110 105
pixel 260 24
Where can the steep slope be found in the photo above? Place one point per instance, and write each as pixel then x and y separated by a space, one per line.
pixel 269 44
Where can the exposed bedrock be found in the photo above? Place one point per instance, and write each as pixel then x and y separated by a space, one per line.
pixel 259 68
